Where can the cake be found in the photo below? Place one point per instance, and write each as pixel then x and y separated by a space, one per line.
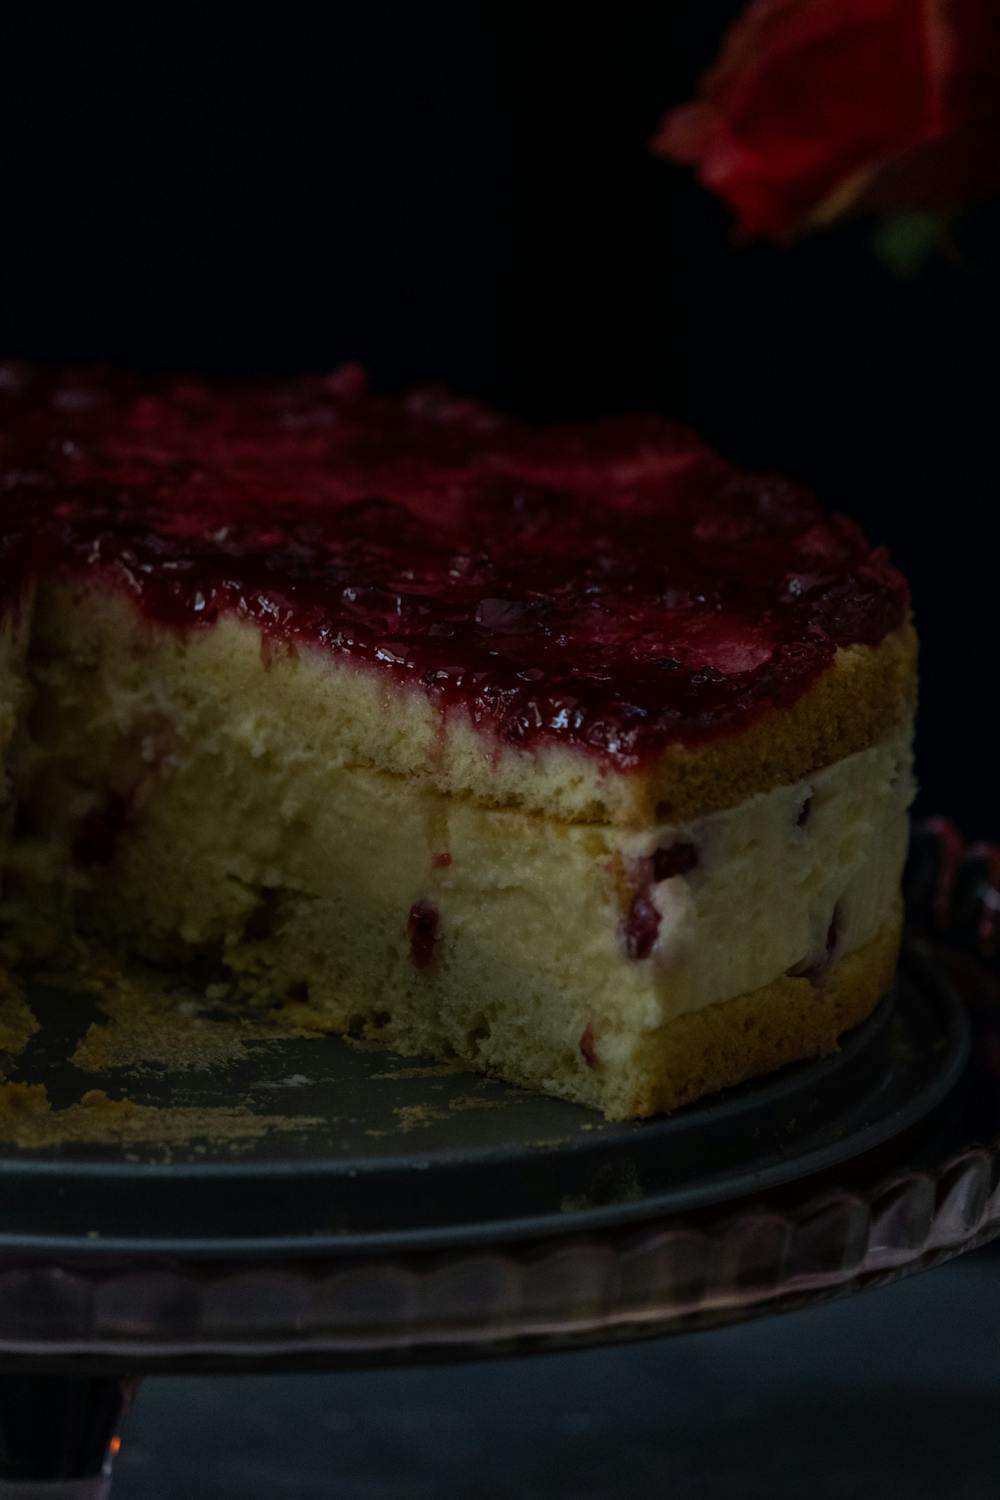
pixel 576 754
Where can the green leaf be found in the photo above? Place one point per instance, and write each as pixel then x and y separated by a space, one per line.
pixel 906 241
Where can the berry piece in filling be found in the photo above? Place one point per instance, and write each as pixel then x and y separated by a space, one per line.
pixel 422 930
pixel 817 965
pixel 99 835
pixel 679 859
pixel 588 1049
pixel 642 926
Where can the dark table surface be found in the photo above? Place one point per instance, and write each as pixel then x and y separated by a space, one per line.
pixel 892 1394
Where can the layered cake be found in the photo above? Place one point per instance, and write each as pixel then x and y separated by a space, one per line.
pixel 575 754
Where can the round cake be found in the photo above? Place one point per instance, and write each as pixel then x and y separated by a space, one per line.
pixel 574 753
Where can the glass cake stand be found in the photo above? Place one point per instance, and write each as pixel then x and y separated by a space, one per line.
pixel 403 1213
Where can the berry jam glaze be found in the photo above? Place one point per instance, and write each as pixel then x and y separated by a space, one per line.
pixel 613 587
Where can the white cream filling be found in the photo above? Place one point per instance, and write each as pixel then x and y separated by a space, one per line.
pixel 774 870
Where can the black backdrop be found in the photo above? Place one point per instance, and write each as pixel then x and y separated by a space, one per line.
pixel 462 192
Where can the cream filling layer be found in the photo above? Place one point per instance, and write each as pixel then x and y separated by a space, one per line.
pixel 785 882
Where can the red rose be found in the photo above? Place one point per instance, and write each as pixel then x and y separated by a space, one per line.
pixel 818 107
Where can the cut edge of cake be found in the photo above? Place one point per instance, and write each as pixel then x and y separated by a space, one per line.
pixel 184 808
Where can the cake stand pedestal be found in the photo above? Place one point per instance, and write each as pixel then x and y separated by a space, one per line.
pixel 59 1434
pixel 508 1226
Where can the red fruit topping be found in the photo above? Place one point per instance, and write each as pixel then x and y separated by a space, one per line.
pixel 641 928
pixel 440 861
pixel 99 835
pixel 422 930
pixel 588 1050
pixel 679 859
pixel 615 586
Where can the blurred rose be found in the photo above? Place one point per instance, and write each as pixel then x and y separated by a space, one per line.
pixel 818 108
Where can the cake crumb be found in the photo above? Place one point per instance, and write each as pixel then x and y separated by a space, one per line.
pixel 28 1120
pixel 417 1116
pixel 144 1025
pixel 429 1070
pixel 17 1020
pixel 478 1101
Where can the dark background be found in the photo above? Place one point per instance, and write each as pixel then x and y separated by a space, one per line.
pixel 464 193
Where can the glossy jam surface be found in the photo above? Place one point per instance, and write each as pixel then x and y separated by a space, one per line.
pixel 612 587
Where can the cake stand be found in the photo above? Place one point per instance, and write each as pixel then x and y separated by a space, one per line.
pixel 408 1213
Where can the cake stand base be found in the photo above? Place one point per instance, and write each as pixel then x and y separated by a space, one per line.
pixel 912 1181
pixel 59 1435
